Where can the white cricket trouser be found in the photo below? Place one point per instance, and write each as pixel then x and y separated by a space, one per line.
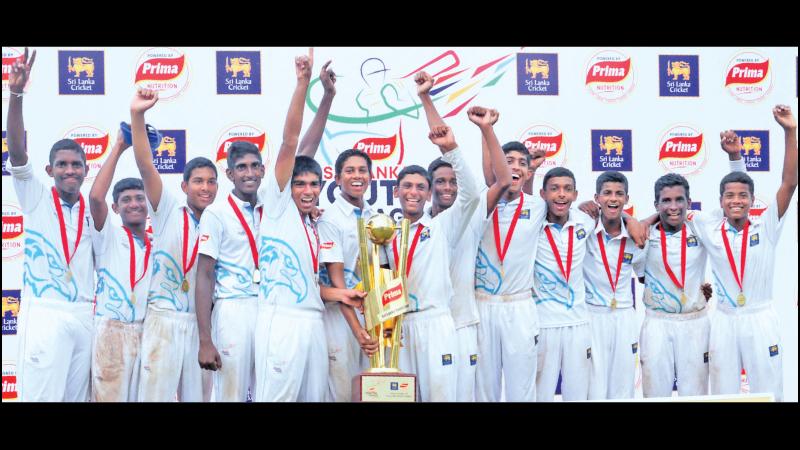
pixel 674 346
pixel 170 345
pixel 467 362
pixel 746 338
pixel 567 350
pixel 115 360
pixel 344 353
pixel 54 355
pixel 429 349
pixel 508 336
pixel 615 346
pixel 291 355
pixel 233 327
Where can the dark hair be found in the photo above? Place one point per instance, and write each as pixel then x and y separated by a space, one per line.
pixel 345 155
pixel 240 148
pixel 737 177
pixel 305 164
pixel 196 163
pixel 126 184
pixel 414 170
pixel 67 144
pixel 670 180
pixel 558 172
pixel 611 176
pixel 437 163
pixel 516 146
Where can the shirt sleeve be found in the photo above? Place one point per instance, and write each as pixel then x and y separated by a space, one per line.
pixel 101 239
pixel 211 231
pixel 30 191
pixel 738 165
pixel 331 241
pixel 772 224
pixel 456 218
pixel 166 206
pixel 274 200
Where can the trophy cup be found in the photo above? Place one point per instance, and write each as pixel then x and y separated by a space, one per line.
pixel 386 301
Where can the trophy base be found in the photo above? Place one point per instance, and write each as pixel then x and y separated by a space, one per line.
pixel 390 386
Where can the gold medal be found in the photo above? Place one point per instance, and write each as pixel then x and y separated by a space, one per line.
pixel 740 299
pixel 613 303
pixel 502 271
pixel 256 276
pixel 69 276
pixel 683 298
pixel 185 285
pixel 133 298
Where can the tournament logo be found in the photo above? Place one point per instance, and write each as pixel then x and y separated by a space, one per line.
pixel 81 72
pixel 681 150
pixel 9 381
pixel 165 70
pixel 678 75
pixel 94 143
pixel 757 208
pixel 612 150
pixel 10 311
pixel 13 239
pixel 755 149
pixel 170 155
pixel 549 139
pixel 241 132
pixel 238 72
pixel 537 74
pixel 9 56
pixel 748 76
pixel 609 75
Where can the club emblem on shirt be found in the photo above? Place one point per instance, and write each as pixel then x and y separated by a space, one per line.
pixel 691 241
pixel 754 240
pixel 580 233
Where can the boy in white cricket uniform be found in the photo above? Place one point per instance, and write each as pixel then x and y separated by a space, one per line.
pixel 170 340
pixel 428 332
pixel 463 306
pixel 565 340
pixel 291 348
pixel 612 258
pixel 745 329
pixel 123 255
pixel 55 319
pixel 339 252
pixel 508 332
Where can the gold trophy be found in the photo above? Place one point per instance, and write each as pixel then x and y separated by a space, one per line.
pixel 386 301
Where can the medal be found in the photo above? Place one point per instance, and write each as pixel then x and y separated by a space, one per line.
pixel 63 228
pixel 185 285
pixel 133 298
pixel 501 253
pixel 250 239
pixel 621 256
pixel 739 279
pixel 672 276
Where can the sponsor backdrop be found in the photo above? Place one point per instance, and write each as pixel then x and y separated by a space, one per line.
pixel 643 111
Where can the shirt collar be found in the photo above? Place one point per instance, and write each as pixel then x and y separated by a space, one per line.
pixel 601 228
pixel 348 208
pixel 242 204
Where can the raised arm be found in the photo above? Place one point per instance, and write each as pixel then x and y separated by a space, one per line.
pixel 537 158
pixel 484 118
pixel 310 142
pixel 20 73
pixel 424 84
pixel 783 115
pixel 97 196
pixel 284 163
pixel 142 101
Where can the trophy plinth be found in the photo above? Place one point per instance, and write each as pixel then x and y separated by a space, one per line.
pixel 385 385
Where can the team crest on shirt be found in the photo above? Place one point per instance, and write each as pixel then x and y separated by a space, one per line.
pixel 581 233
pixel 691 241
pixel 473 360
pixel 447 359
pixel 425 235
pixel 635 347
pixel 754 240
pixel 773 350
pixel 525 214
pixel 627 258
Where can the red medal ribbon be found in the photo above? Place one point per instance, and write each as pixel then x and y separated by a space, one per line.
pixel 600 240
pixel 63 227
pixel 250 238
pixel 147 246
pixel 314 256
pixel 557 255
pixel 683 256
pixel 410 251
pixel 739 279
pixel 187 268
pixel 496 224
